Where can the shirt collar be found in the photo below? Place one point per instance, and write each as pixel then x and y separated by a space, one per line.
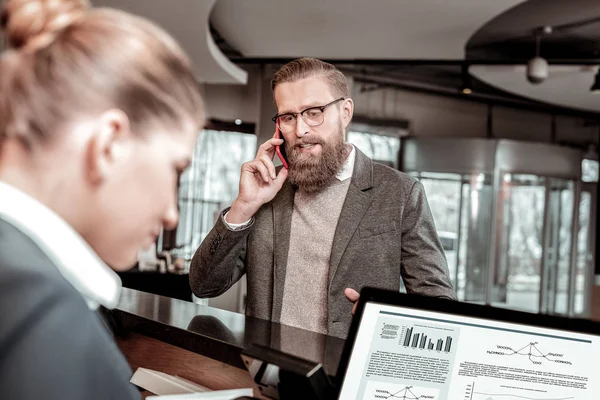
pixel 74 258
pixel 348 168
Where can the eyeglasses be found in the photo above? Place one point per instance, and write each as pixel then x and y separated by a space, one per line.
pixel 313 116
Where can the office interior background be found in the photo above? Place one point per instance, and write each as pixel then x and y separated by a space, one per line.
pixel 443 91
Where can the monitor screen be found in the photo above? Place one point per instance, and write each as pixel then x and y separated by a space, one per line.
pixel 411 354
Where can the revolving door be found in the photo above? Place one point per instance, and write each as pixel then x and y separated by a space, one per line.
pixel 504 212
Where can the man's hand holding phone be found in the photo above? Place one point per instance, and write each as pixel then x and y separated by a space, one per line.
pixel 259 183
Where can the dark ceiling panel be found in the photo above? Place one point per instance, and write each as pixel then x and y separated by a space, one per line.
pixel 512 35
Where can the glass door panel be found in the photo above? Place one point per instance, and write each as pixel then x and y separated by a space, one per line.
pixel 517 276
pixel 460 206
pixel 474 238
pixel 444 197
pixel 557 252
pixel 584 262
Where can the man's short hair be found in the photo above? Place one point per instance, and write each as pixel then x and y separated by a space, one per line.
pixel 302 68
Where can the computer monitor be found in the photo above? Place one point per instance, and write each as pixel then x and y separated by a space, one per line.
pixel 417 348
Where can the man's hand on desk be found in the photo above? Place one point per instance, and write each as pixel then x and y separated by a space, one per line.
pixel 353 296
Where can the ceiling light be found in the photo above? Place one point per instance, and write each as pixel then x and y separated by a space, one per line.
pixel 537 70
pixel 537 67
pixel 466 87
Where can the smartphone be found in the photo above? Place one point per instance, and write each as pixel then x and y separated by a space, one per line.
pixel 280 150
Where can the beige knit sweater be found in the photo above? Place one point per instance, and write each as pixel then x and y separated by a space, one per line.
pixel 314 220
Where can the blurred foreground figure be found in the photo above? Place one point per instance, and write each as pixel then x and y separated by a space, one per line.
pixel 99 112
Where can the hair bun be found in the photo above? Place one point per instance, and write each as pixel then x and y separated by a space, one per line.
pixel 36 23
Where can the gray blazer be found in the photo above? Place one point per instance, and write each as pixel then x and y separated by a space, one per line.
pixel 385 232
pixel 52 346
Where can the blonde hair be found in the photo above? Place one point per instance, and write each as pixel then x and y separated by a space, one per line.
pixel 66 59
pixel 308 67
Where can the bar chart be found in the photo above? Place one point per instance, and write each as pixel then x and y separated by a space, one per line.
pixel 426 338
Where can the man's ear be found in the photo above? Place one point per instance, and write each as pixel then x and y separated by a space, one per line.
pixel 347 111
pixel 107 144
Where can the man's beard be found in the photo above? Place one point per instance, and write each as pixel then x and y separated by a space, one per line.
pixel 313 173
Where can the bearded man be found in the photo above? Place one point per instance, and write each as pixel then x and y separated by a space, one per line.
pixel 312 236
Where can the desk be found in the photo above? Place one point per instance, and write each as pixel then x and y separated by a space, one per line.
pixel 203 344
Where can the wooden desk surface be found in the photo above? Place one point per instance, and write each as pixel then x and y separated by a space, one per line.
pixel 142 351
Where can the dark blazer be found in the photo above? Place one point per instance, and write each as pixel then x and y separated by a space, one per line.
pixel 385 232
pixel 52 346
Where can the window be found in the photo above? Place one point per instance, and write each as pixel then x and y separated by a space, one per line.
pixel 209 185
pixel 589 170
pixel 383 149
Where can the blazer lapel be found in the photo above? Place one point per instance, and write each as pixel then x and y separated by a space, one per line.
pixel 358 200
pixel 283 206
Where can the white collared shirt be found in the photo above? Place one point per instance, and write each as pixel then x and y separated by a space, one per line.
pixel 74 258
pixel 348 168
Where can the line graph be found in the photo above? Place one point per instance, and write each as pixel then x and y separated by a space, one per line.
pixel 384 390
pixel 483 394
pixel 531 350
pixel 504 396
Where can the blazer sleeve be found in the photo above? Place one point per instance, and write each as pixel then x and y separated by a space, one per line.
pixel 54 347
pixel 220 261
pixel 424 267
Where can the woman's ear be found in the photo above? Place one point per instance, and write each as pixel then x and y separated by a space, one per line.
pixel 107 144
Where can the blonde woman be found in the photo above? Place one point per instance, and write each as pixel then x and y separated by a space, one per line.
pixel 99 112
